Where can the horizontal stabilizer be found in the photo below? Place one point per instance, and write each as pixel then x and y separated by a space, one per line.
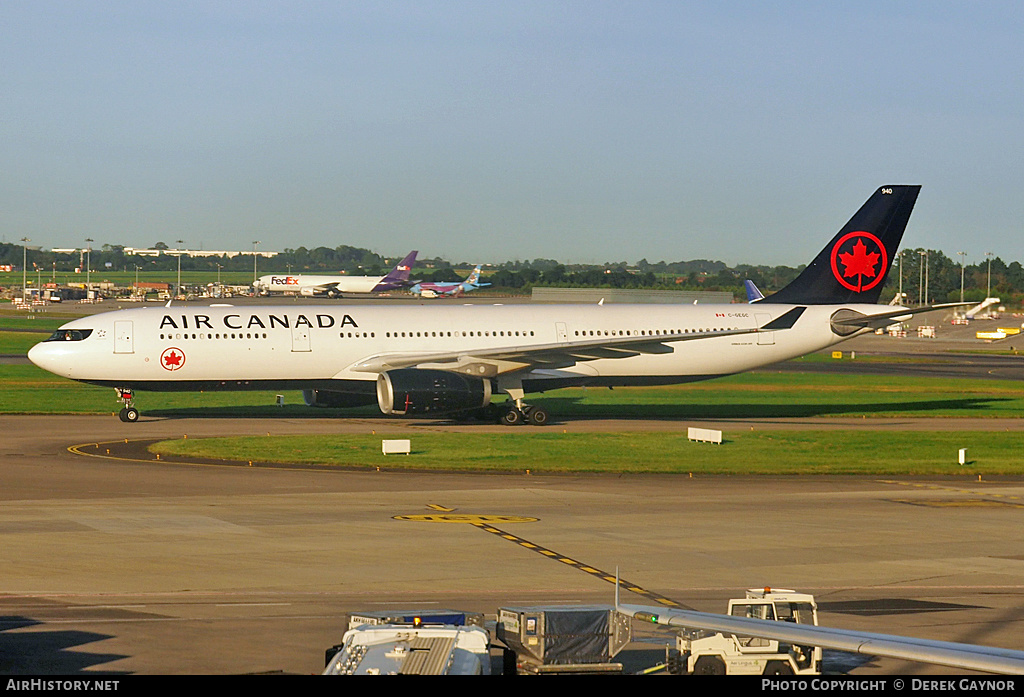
pixel 884 319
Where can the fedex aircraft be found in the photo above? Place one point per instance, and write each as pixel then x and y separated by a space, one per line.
pixel 335 286
pixel 437 360
pixel 450 288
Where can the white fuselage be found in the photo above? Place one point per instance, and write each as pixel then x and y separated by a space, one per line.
pixel 251 347
pixel 309 284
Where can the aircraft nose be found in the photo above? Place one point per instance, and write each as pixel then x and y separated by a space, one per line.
pixel 44 357
pixel 35 354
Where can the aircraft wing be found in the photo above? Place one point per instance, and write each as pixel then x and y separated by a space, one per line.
pixel 880 321
pixel 322 287
pixel 945 653
pixel 495 361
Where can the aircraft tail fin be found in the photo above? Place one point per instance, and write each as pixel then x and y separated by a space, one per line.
pixel 753 292
pixel 853 266
pixel 398 276
pixel 474 277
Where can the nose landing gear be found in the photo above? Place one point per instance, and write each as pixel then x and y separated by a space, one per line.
pixel 128 413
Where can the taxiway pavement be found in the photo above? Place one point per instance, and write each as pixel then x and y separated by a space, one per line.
pixel 157 568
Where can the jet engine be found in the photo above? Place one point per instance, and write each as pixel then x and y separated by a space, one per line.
pixel 327 398
pixel 414 391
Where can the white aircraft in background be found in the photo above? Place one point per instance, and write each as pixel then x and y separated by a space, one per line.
pixel 334 286
pixel 438 360
pixel 433 289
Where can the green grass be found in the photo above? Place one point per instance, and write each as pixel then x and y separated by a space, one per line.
pixel 29 390
pixel 19 342
pixel 776 394
pixel 744 452
pixel 26 389
pixel 46 322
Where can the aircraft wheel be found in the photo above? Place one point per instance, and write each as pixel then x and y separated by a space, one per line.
pixel 512 417
pixel 130 415
pixel 538 417
pixel 777 668
pixel 121 414
pixel 709 665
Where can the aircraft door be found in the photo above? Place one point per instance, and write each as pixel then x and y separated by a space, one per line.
pixel 764 338
pixel 300 338
pixel 561 332
pixel 124 337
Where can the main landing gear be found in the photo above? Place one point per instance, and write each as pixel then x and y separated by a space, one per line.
pixel 128 413
pixel 515 414
pixel 516 411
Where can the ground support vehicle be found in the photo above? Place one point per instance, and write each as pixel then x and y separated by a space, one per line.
pixel 701 652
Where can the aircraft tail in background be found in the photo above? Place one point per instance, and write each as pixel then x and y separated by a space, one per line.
pixel 398 277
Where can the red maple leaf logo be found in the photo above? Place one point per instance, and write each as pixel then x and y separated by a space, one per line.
pixel 172 358
pixel 859 263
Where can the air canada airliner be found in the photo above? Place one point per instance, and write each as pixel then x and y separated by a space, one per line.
pixel 452 360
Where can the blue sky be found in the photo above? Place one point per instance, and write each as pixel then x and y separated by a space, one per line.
pixel 581 131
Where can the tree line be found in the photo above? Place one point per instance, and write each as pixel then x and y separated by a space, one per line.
pixel 922 271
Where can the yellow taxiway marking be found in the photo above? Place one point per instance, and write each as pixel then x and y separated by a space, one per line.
pixel 486 523
pixel 962 503
pixel 101 451
pixel 585 568
pixel 439 507
pixel 471 519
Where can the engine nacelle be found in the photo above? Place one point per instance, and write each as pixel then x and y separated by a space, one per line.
pixel 327 398
pixel 413 391
pixel 307 292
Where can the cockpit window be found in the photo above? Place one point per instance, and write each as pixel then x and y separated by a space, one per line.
pixel 70 334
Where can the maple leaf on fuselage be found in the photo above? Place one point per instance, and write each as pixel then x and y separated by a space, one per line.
pixel 172 359
pixel 860 262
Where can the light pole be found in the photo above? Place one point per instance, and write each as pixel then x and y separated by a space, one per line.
pixel 88 265
pixel 24 266
pixel 219 267
pixel 899 300
pixel 920 280
pixel 988 286
pixel 136 279
pixel 962 255
pixel 255 243
pixel 926 270
pixel 177 290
